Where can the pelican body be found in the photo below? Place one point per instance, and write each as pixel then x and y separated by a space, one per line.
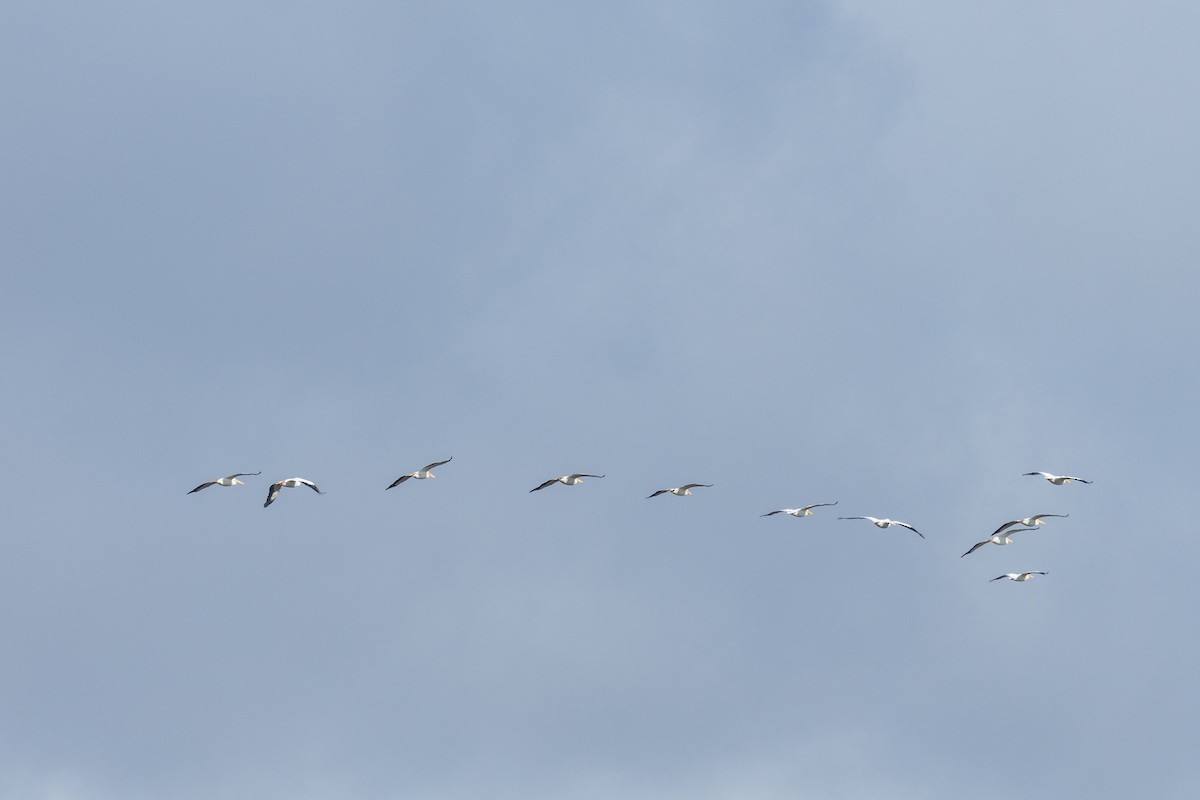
pixel 1019 577
pixel 996 538
pixel 887 523
pixel 420 474
pixel 680 491
pixel 1057 480
pixel 289 483
pixel 573 479
pixel 228 480
pixel 805 511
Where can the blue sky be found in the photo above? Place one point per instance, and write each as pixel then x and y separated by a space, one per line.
pixel 889 255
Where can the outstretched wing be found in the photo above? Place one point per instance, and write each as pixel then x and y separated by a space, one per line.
pixel 976 547
pixel 438 464
pixel 202 486
pixel 910 527
pixel 656 494
pixel 312 486
pixel 771 513
pixel 243 474
pixel 272 493
pixel 574 475
pixel 544 485
pixel 399 481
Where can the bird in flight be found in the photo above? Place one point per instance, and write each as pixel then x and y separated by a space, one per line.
pixel 420 474
pixel 1057 480
pixel 290 483
pixel 805 511
pixel 680 491
pixel 228 480
pixel 1036 519
pixel 887 523
pixel 996 538
pixel 566 480
pixel 1017 576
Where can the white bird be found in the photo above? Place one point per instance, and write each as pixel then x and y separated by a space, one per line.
pixel 1017 576
pixel 290 483
pixel 420 474
pixel 228 480
pixel 1057 480
pixel 806 511
pixel 887 523
pixel 997 538
pixel 567 480
pixel 680 491
pixel 1036 519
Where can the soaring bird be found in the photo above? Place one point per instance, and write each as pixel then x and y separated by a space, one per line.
pixel 228 480
pixel 1057 480
pixel 567 480
pixel 806 511
pixel 887 523
pixel 997 538
pixel 290 483
pixel 1018 576
pixel 420 474
pixel 1036 519
pixel 680 490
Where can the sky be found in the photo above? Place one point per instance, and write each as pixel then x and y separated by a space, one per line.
pixel 889 255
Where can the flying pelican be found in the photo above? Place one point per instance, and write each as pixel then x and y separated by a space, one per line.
pixel 680 490
pixel 1017 576
pixel 997 538
pixel 1057 480
pixel 567 480
pixel 290 483
pixel 806 511
pixel 887 523
pixel 1036 519
pixel 228 480
pixel 420 474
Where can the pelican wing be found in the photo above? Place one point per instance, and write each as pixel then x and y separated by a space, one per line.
pixel 399 481
pixel 656 494
pixel 575 475
pixel 272 493
pixel 243 474
pixel 976 547
pixel 438 464
pixel 818 505
pixel 203 486
pixel 772 513
pixel 910 527
pixel 1036 517
pixel 311 485
pixel 544 485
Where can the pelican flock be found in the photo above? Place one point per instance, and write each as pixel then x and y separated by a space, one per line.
pixel 1001 536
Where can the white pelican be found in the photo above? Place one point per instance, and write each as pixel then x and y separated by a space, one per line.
pixel 567 480
pixel 806 511
pixel 1036 519
pixel 1057 480
pixel 997 538
pixel 420 474
pixel 228 480
pixel 887 523
pixel 680 491
pixel 290 483
pixel 1017 576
